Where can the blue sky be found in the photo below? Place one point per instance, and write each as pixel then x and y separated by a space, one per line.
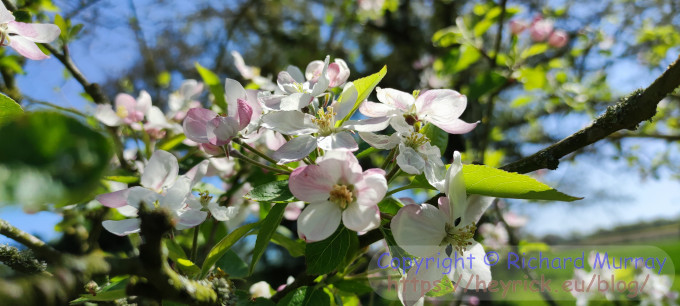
pixel 634 199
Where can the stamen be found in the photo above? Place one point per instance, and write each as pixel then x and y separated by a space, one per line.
pixel 458 238
pixel 341 195
pixel 325 121
pixel 415 140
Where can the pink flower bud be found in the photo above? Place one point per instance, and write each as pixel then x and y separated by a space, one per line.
pixel 558 39
pixel 517 26
pixel 541 29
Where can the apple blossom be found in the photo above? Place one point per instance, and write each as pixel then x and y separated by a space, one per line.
pixel 252 73
pixel 558 39
pixel 657 290
pixel 337 189
pixel 441 107
pixel 321 130
pixel 296 92
pixel 517 26
pixel 540 29
pixel 261 289
pixel 495 235
pixel 583 278
pixel 161 185
pixel 416 154
pixel 426 231
pixel 184 98
pixel 205 126
pixel 337 72
pixel 128 110
pixel 23 37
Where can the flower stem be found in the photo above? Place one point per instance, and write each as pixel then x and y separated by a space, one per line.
pixel 389 158
pixel 402 188
pixel 194 245
pixel 393 174
pixel 259 153
pixel 247 159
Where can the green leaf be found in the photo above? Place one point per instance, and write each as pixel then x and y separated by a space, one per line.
pixel 47 157
pixel 390 205
pixel 113 291
pixel 296 248
pixel 122 179
pixel 8 108
pixel 485 180
pixel 353 286
pixel 213 82
pixel 325 256
pixel 269 225
pixel 485 83
pixel 170 143
pixel 533 78
pixel 306 296
pixel 233 265
pixel 447 37
pixel 468 56
pixel 275 192
pixel 445 286
pixel 364 87
pixel 176 253
pixel 395 250
pixel 224 245
pixel 438 137
pixel 535 49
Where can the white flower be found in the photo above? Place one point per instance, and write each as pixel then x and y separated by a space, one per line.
pixel 426 231
pixel 184 98
pixel 128 110
pixel 495 235
pixel 261 289
pixel 23 36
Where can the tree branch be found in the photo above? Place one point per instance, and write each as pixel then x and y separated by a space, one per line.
pixel 22 261
pixel 36 245
pixel 627 114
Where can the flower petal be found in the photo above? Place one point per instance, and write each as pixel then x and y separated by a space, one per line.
pixel 196 173
pixel 287 82
pixel 341 166
pixel 245 112
pixel 409 160
pixel 35 32
pixel 395 98
pixel 245 71
pixel 435 171
pixel 313 70
pixel 410 294
pixel 122 227
pixel 338 73
pixel 342 141
pixel 27 48
pixel 222 213
pixel 372 188
pixel 419 229
pixel 296 149
pixel 114 199
pixel 289 122
pixel 361 218
pixel 161 171
pixel 190 218
pixel 477 269
pixel 195 124
pixel 318 221
pixel 372 109
pixel 220 130
pixel 455 187
pixel 322 83
pixel 139 195
pixel 442 107
pixel 233 91
pixel 475 208
pixel 5 15
pixel 176 195
pixel 367 125
pixel 143 103
pixel 378 141
pixel 106 115
pixel 344 106
pixel 311 183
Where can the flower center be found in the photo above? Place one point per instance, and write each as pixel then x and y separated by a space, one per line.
pixel 121 111
pixel 325 121
pixel 4 35
pixel 205 198
pixel 458 237
pixel 415 140
pixel 341 195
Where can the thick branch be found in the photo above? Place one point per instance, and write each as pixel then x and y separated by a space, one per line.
pixel 627 114
pixel 22 261
pixel 36 245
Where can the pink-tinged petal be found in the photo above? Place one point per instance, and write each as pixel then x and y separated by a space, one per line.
pixel 220 130
pixel 233 91
pixel 161 171
pixel 540 29
pixel 435 171
pixel 296 149
pixel 295 73
pixel 125 101
pixel 27 48
pixel 122 227
pixel 455 126
pixel 274 140
pixel 419 229
pixel 518 26
pixel 139 195
pixel 114 199
pixel 319 221
pixel 211 149
pixel 196 173
pixel 367 125
pixel 311 183
pixel 342 141
pixel 361 218
pixel 332 72
pixel 440 106
pixel 322 83
pixel 128 211
pixel 411 295
pixel 190 218
pixel 176 195
pixel 455 187
pixel 342 74
pixel 5 15
pixel 479 271
pixel 383 142
pixel 313 70
pixel 407 201
pixel 106 115
pixel 558 39
pixel 35 32
pixel 144 103
pixel 293 210
pixel 195 124
pixel 372 188
pixel 342 166
pixel 245 112
pixel 289 122
pixel 444 206
pixel 409 160
pixel 254 104
pixel 347 100
pixel 245 71
pixel 475 208
pixel 372 109
pixel 395 98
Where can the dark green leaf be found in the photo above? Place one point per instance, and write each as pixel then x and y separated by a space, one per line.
pixel 224 245
pixel 437 136
pixel 389 205
pixel 296 248
pixel 306 296
pixel 233 265
pixel 8 109
pixel 275 192
pixel 269 225
pixel 325 256
pixel 353 286
pixel 395 250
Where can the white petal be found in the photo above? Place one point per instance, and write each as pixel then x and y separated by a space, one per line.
pixel 161 171
pixel 421 277
pixel 456 187
pixel 399 124
pixel 295 101
pixel 175 197
pixel 441 107
pixel 382 142
pixel 372 109
pixel 190 218
pixel 196 173
pixel 367 125
pixel 323 82
pixel 122 227
pixel 342 141
pixel 5 15
pixel 478 269
pixel 139 195
pixel 106 115
pixel 27 48
pixel 296 73
pixel 143 102
pixel 128 211
pixel 372 187
pixel 395 98
pixel 361 218
pixel 296 149
pixel 35 32
pixel 476 206
pixel 222 213
pixel 289 122
pixel 419 229
pixel 435 172
pixel 409 160
pixel 318 221
pixel 455 126
pixel 233 90
pixel 347 100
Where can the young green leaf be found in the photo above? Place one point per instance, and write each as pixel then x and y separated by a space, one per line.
pixel 364 87
pixel 213 82
pixel 269 225
pixel 306 296
pixel 8 109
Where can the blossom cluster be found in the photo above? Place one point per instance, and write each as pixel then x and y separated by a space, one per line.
pixel 540 30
